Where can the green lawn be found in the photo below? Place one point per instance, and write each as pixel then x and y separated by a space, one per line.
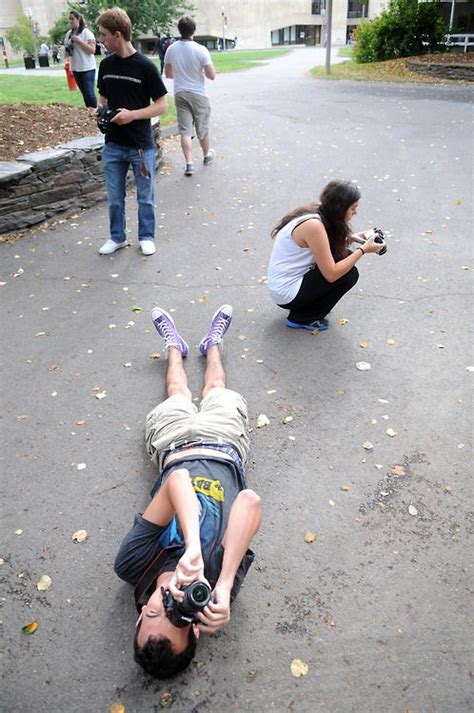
pixel 52 90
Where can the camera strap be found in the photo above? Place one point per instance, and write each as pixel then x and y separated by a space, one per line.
pixel 147 580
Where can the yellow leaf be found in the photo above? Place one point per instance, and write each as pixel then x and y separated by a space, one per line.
pixel 166 700
pixel 364 344
pixel 30 628
pixel 202 298
pixel 309 537
pixel 136 309
pixel 298 668
pixel 117 708
pixel 390 432
pixel 342 322
pixel 458 201
pixel 367 445
pixel 390 342
pixel 44 583
pixel 344 488
pixel 155 355
pixel 398 470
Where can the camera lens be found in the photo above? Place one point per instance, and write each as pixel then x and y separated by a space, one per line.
pixel 200 593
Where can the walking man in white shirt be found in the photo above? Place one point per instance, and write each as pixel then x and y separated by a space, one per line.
pixel 189 64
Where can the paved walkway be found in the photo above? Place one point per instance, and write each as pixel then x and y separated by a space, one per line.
pixel 377 605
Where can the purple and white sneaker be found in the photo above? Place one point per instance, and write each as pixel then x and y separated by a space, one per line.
pixel 166 328
pixel 220 323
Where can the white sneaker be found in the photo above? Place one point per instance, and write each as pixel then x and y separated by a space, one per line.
pixel 110 246
pixel 147 247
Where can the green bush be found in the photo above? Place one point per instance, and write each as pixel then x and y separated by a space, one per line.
pixel 21 37
pixel 405 28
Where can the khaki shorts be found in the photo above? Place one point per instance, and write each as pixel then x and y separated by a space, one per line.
pixel 222 418
pixel 192 109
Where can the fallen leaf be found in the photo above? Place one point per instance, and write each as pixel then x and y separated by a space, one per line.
pixel 80 536
pixel 166 700
pixel 379 466
pixel 287 419
pixel 344 488
pixel 298 668
pixel 155 355
pixel 80 423
pixel 363 365
pixel 81 466
pixel 202 298
pixel 458 201
pixel 390 432
pixel 390 342
pixel 364 344
pixel 128 364
pixel 19 531
pixel 101 395
pixel 398 470
pixel 342 322
pixel 412 510
pixel 469 368
pixel 262 421
pixel 44 583
pixel 30 628
pixel 309 537
pixel 367 445
pixel 331 503
pixel 117 708
pixel 136 309
pixel 22 416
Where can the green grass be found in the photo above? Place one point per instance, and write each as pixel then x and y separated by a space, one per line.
pixel 52 90
pixel 345 51
pixel 235 61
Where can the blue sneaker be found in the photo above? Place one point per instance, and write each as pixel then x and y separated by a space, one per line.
pixel 220 323
pixel 319 324
pixel 166 328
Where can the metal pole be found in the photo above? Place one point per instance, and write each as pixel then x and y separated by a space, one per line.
pixel 328 36
pixel 223 29
pixel 451 18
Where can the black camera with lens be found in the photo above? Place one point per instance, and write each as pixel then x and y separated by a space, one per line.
pixel 104 117
pixel 196 596
pixel 380 238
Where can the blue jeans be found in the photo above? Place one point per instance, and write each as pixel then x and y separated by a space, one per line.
pixel 85 81
pixel 115 160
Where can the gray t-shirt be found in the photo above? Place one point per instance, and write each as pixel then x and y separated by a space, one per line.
pixel 216 482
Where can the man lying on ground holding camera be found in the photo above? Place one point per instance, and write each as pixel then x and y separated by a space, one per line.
pixel 202 518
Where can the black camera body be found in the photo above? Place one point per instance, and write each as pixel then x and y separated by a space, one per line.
pixel 196 596
pixel 380 238
pixel 104 117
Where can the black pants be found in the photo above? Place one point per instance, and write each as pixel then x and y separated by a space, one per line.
pixel 317 296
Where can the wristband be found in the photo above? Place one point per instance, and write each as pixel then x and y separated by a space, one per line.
pixel 359 248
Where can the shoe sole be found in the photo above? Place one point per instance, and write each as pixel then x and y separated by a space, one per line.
pixel 307 327
pixel 167 314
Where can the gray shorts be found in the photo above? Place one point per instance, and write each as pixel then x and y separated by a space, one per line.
pixel 222 418
pixel 192 108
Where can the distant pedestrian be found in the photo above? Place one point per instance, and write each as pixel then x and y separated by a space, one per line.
pixel 55 53
pixel 80 47
pixel 189 63
pixel 311 265
pixel 161 45
pixel 44 49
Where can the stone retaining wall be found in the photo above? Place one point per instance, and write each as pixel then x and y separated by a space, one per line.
pixel 42 184
pixel 461 70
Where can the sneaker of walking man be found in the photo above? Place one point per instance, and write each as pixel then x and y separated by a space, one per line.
pixel 130 84
pixel 189 64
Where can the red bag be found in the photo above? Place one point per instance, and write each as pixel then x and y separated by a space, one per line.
pixel 71 82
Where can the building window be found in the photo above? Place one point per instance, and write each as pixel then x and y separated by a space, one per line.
pixel 357 8
pixel 317 6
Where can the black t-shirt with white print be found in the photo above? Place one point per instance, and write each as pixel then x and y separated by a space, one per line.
pixel 130 83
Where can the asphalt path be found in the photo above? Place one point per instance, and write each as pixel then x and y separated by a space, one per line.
pixel 377 605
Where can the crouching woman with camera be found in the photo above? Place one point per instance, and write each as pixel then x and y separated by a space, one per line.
pixel 311 266
pixel 80 48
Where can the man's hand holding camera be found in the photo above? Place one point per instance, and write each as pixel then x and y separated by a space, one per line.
pixel 217 613
pixel 189 569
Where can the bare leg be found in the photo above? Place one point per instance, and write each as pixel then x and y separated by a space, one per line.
pixel 205 144
pixel 214 376
pixel 187 146
pixel 176 379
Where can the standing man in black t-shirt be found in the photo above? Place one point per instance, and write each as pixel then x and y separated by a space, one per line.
pixel 202 517
pixel 127 82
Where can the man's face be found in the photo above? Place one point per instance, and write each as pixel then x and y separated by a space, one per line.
pixel 155 623
pixel 111 40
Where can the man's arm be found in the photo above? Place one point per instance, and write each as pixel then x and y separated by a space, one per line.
pixel 125 116
pixel 244 521
pixel 209 71
pixel 177 497
pixel 169 74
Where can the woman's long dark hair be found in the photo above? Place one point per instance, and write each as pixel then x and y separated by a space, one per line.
pixel 335 200
pixel 82 22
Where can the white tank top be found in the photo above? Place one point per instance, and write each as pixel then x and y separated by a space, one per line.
pixel 289 262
